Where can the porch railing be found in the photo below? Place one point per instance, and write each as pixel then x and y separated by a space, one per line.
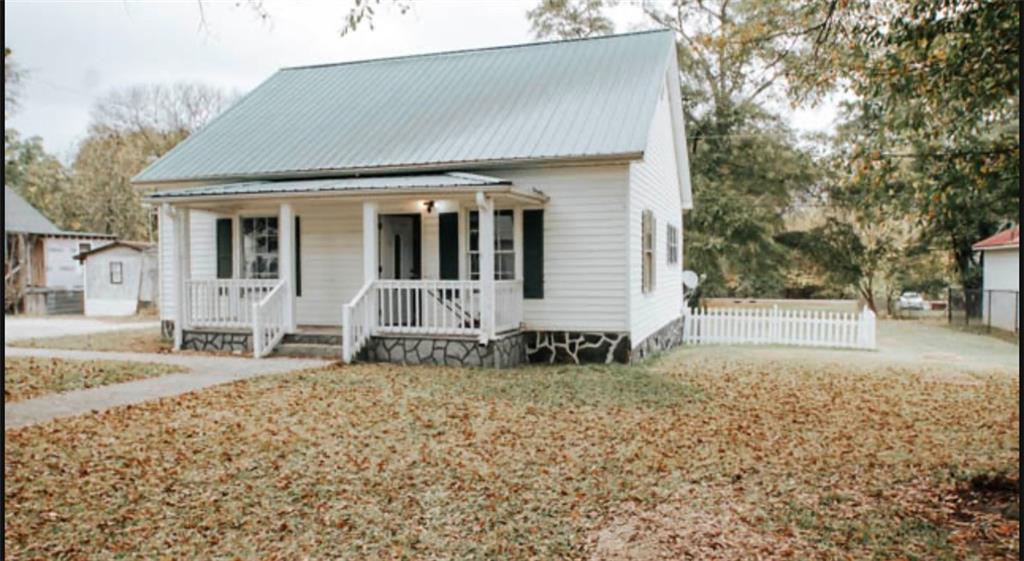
pixel 357 321
pixel 224 303
pixel 426 307
pixel 508 305
pixel 269 322
pixel 432 307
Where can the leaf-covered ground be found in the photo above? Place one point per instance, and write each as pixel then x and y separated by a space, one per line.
pixel 27 377
pixel 695 456
pixel 129 340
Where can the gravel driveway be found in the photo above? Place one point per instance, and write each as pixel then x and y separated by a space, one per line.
pixel 906 343
pixel 30 327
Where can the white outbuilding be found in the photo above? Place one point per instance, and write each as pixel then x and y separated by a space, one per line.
pixel 118 277
pixel 1001 284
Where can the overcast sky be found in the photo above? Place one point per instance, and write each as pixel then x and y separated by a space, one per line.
pixel 75 51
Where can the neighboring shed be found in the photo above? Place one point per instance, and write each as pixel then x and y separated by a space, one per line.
pixel 118 277
pixel 1001 281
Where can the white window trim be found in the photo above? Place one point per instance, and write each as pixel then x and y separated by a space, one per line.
pixel 516 265
pixel 648 276
pixel 243 273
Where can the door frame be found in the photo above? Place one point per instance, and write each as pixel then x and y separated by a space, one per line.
pixel 417 242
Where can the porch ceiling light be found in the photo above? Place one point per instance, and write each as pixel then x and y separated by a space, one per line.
pixel 429 205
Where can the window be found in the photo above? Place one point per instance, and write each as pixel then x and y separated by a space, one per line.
pixel 504 245
pixel 259 247
pixel 116 272
pixel 673 244
pixel 647 250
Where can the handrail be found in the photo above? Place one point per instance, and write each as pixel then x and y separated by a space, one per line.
pixel 358 319
pixel 268 321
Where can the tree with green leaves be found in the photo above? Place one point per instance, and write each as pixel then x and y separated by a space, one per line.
pixel 937 104
pixel 39 178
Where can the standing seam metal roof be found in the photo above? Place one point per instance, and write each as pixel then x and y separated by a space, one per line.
pixel 557 100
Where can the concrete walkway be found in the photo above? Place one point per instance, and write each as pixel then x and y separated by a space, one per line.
pixel 199 371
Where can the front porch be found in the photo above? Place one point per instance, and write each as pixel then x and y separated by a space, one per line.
pixel 415 281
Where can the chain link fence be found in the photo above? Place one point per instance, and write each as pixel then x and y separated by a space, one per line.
pixel 991 309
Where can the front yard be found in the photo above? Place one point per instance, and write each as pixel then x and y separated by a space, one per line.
pixel 128 340
pixel 701 454
pixel 26 378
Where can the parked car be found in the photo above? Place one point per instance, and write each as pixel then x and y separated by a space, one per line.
pixel 911 301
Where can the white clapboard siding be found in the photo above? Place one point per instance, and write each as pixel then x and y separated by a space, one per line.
pixel 654 186
pixel 772 326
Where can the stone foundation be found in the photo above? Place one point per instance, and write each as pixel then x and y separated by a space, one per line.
pixel 167 329
pixel 218 342
pixel 506 352
pixel 670 335
pixel 571 347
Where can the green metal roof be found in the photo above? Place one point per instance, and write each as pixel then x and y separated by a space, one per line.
pixel 362 184
pixel 575 99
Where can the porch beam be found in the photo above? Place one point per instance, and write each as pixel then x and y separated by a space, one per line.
pixel 485 208
pixel 286 261
pixel 370 232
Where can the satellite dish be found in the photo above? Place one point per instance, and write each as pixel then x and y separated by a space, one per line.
pixel 690 279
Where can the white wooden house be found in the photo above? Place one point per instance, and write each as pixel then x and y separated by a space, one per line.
pixel 481 207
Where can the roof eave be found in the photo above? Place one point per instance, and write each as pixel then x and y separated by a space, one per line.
pixel 1015 245
pixel 504 187
pixel 473 165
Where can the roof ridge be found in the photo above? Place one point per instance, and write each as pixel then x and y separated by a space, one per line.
pixel 475 50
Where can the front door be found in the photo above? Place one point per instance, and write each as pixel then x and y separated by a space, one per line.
pixel 399 252
pixel 399 259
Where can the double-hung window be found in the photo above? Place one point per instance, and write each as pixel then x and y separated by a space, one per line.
pixel 259 247
pixel 648 229
pixel 504 245
pixel 673 244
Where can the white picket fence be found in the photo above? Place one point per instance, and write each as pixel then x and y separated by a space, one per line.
pixel 772 326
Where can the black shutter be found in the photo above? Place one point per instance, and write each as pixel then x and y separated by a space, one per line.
pixel 224 239
pixel 448 237
pixel 298 257
pixel 533 254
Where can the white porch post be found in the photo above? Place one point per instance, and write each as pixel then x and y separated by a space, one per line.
pixel 286 261
pixel 370 265
pixel 485 208
pixel 183 270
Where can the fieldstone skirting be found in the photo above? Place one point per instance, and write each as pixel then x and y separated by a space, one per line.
pixel 670 335
pixel 214 341
pixel 573 347
pixel 506 352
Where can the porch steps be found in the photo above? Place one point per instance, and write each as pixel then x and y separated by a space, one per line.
pixel 304 345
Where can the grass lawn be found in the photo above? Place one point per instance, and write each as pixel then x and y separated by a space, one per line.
pixel 693 456
pixel 26 377
pixel 131 340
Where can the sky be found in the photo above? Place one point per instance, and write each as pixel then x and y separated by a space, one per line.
pixel 76 51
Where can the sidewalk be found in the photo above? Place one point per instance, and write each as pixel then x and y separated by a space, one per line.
pixel 200 371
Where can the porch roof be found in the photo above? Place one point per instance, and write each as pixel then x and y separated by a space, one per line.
pixel 372 185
